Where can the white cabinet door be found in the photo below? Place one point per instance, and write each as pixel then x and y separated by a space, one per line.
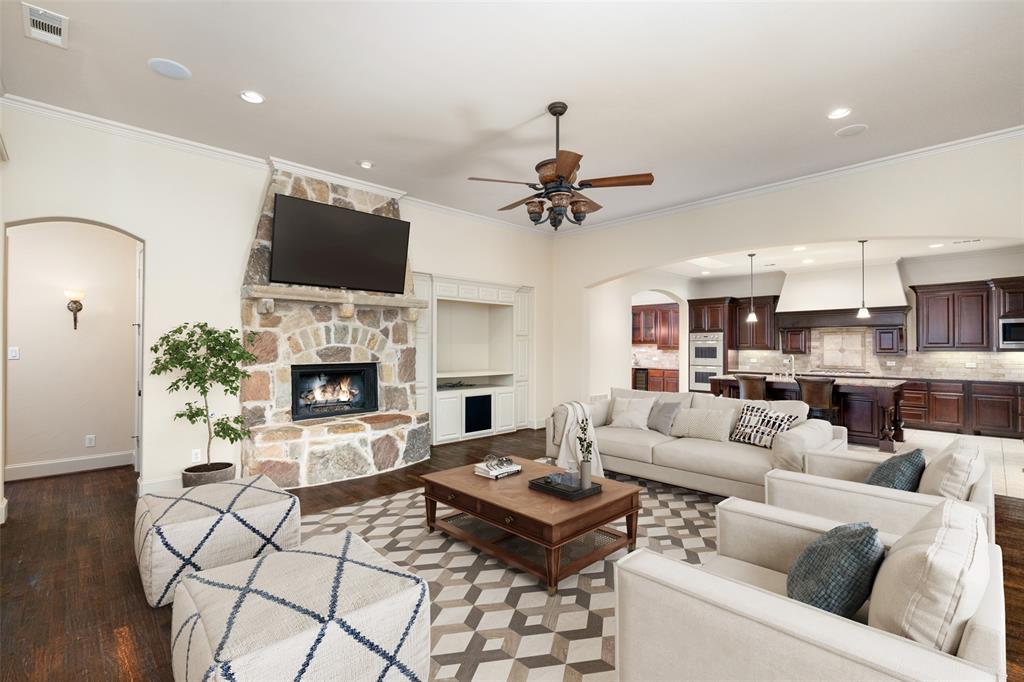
pixel 522 399
pixel 448 417
pixel 521 358
pixel 522 313
pixel 505 410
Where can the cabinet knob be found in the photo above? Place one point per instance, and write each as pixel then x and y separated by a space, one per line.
pixel 509 519
pixel 451 496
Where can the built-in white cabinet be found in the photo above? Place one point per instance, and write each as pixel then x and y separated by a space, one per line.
pixel 480 350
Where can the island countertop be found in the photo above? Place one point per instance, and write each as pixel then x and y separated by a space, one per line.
pixel 840 381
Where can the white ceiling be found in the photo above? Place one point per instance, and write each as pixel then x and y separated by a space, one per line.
pixel 710 97
pixel 825 255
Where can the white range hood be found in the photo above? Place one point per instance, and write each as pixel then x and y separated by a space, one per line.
pixel 839 289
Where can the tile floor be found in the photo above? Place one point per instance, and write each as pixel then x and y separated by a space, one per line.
pixel 1005 454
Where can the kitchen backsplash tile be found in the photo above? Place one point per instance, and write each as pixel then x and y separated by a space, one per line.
pixel 651 356
pixel 930 365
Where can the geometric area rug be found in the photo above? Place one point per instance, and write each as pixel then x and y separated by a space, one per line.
pixel 490 621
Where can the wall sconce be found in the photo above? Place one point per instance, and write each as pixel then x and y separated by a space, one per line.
pixel 74 303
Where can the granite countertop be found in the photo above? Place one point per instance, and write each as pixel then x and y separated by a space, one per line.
pixel 840 381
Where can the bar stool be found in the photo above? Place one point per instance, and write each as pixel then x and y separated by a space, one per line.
pixel 752 386
pixel 817 393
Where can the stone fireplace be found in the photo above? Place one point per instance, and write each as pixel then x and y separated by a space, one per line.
pixel 331 394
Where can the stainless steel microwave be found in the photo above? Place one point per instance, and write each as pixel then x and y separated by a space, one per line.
pixel 1011 334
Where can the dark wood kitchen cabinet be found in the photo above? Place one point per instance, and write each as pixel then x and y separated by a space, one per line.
pixel 758 335
pixel 645 324
pixel 954 316
pixel 1009 296
pixel 650 379
pixel 656 324
pixel 860 415
pixel 946 406
pixel 796 341
pixel 890 341
pixel 668 327
pixel 710 314
pixel 995 409
pixel 914 405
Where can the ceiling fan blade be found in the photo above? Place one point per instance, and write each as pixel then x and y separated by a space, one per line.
pixel 566 163
pixel 619 181
pixel 519 203
pixel 509 182
pixel 591 204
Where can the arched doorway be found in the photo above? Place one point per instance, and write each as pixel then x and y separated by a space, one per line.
pixel 72 396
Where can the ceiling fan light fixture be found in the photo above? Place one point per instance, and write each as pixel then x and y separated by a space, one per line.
pixel 560 200
pixel 535 209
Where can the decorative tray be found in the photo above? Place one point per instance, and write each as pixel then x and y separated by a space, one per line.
pixel 566 492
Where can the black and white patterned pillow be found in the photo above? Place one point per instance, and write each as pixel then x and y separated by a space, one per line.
pixel 746 425
pixel 757 426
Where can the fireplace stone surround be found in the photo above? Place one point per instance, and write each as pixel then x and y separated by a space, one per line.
pixel 301 325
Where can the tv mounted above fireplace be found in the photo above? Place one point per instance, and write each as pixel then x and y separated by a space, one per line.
pixel 330 246
pixel 333 390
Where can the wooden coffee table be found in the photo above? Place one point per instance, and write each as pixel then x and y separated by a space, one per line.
pixel 541 534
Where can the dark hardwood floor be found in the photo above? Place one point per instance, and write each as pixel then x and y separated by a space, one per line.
pixel 72 603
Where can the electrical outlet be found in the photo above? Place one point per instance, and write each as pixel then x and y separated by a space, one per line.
pixel 13 353
pixel 197 455
pixel 970 365
pixel 90 441
pixel 753 361
pixel 890 363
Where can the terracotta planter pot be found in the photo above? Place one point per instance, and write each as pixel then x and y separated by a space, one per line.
pixel 201 474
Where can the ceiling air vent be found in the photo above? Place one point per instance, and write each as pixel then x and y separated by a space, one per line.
pixel 49 27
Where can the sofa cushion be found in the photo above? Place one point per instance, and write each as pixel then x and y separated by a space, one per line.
pixel 836 571
pixel 631 413
pixel 797 408
pixel 953 474
pixel 900 472
pixel 934 577
pixel 759 426
pixel 662 417
pixel 790 446
pixel 631 444
pixel 731 461
pixel 707 424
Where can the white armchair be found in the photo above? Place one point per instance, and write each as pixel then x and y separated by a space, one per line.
pixel 833 486
pixel 731 619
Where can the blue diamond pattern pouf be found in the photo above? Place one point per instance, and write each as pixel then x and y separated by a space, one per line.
pixel 330 609
pixel 210 525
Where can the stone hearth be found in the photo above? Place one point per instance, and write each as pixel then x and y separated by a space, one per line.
pixel 297 325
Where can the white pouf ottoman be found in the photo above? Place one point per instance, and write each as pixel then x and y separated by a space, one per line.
pixel 210 525
pixel 329 609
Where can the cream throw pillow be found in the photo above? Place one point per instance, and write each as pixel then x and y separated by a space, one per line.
pixel 953 474
pixel 933 579
pixel 706 424
pixel 631 413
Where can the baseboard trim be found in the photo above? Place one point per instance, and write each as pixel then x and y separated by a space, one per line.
pixel 159 485
pixel 67 465
pixel 3 510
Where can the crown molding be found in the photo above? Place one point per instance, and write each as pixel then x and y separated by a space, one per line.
pixel 130 131
pixel 1012 250
pixel 328 176
pixel 475 216
pixel 942 148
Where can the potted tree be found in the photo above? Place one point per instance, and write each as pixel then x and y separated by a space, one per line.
pixel 205 358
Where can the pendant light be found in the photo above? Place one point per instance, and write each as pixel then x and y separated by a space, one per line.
pixel 863 313
pixel 752 316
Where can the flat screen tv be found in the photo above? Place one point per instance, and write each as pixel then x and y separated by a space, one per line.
pixel 330 246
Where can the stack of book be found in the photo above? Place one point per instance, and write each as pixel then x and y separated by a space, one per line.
pixel 495 469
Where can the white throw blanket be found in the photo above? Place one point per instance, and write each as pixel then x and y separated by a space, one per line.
pixel 569 449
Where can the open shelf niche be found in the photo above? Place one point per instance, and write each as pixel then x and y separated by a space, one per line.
pixel 474 343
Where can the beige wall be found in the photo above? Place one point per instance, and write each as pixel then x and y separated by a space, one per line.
pixel 69 383
pixel 969 190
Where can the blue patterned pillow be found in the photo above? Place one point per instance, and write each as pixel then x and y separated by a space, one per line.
pixel 837 571
pixel 902 472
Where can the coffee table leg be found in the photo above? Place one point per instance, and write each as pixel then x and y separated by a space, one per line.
pixel 431 513
pixel 553 557
pixel 631 520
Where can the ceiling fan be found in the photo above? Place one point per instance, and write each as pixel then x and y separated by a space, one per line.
pixel 556 184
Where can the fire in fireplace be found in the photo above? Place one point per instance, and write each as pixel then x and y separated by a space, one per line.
pixel 333 390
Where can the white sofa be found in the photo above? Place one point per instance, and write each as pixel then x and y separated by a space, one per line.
pixel 833 486
pixel 721 468
pixel 731 619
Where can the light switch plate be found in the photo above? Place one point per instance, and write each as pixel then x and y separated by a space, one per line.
pixel 970 365
pixel 13 353
pixel 90 441
pixel 890 363
pixel 197 455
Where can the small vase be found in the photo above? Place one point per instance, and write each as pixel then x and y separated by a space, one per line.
pixel 585 476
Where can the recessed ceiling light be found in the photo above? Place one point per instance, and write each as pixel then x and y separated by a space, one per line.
pixel 839 112
pixel 851 130
pixel 365 164
pixel 935 246
pixel 799 248
pixel 168 68
pixel 252 97
pixel 807 261
pixel 705 273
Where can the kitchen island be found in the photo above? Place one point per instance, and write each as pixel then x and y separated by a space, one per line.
pixel 868 408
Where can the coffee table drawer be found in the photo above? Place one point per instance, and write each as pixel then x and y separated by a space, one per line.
pixel 511 520
pixel 451 497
